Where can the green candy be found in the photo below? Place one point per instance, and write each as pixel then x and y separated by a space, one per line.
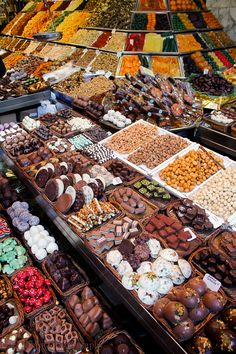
pixel 20 250
pixel 7 269
pixel 138 185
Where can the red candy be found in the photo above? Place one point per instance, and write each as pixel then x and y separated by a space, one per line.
pixel 32 289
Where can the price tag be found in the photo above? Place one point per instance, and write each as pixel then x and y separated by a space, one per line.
pixel 206 71
pixel 108 74
pixel 117 181
pixel 85 51
pixel 118 54
pixel 131 41
pixel 113 31
pixel 97 52
pixel 193 236
pixel 87 70
pixel 216 222
pixel 211 282
pixel 100 72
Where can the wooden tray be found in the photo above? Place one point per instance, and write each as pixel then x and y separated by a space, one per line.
pixel 214 242
pixel 29 261
pixel 74 288
pixel 194 244
pixel 159 202
pixel 47 306
pixel 199 325
pixel 230 292
pixel 27 170
pixel 9 288
pixel 150 208
pixel 170 212
pixel 104 306
pixel 112 335
pixel 19 312
pixel 41 340
pixel 119 277
pixel 103 254
pixel 224 128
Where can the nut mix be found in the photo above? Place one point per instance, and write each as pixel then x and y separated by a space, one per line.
pixel 160 149
pixel 190 170
pixel 132 138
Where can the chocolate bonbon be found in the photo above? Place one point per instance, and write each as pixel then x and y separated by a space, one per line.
pixel 19 340
pixel 89 312
pixel 57 332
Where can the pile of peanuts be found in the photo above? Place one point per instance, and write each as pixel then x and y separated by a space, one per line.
pixel 190 170
pixel 95 87
pixel 4 291
pixel 219 194
pixel 158 150
pixel 132 138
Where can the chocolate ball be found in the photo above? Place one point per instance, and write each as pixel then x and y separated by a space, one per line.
pixel 184 330
pixel 199 313
pixel 175 312
pixel 198 284
pixel 213 301
pixel 226 341
pixel 213 327
pixel 202 345
pixel 189 297
pixel 107 349
pixel 229 317
pixel 159 307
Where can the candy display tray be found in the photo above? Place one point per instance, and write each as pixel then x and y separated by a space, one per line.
pixel 177 193
pixel 143 169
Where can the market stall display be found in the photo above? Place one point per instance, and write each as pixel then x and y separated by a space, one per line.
pixel 152 213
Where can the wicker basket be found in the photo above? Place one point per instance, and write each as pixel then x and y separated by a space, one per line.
pixel 194 244
pixel 118 276
pixel 29 261
pixel 150 208
pixel 159 202
pixel 104 306
pixel 112 335
pixel 74 289
pixel 27 171
pixel 170 212
pixel 19 312
pixel 47 306
pixel 9 288
pixel 41 340
pixel 198 326
pixel 103 254
pixel 230 292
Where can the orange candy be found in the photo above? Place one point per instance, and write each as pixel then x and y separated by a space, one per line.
pixel 130 64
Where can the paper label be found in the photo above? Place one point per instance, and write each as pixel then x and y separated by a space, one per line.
pixel 118 54
pixel 108 74
pixel 97 51
pixel 193 236
pixel 206 71
pixel 85 50
pixel 117 181
pixel 100 72
pixel 113 31
pixel 216 222
pixel 131 41
pixel 88 69
pixel 211 282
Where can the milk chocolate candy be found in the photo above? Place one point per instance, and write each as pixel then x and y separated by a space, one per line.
pixel 74 300
pixel 87 293
pixel 51 347
pixel 49 338
pixel 95 314
pixel 78 309
pixel 60 348
pixel 92 329
pixel 88 305
pixel 72 344
pixel 84 320
pixel 29 347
